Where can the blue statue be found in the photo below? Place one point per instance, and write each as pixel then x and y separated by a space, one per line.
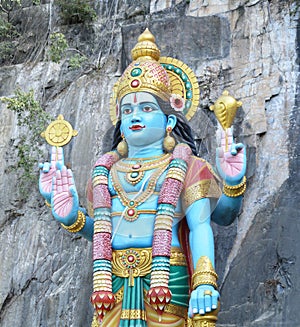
pixel 151 199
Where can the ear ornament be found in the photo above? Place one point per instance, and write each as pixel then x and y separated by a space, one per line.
pixel 122 147
pixel 169 141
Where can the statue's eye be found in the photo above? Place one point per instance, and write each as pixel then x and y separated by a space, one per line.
pixel 147 109
pixel 127 111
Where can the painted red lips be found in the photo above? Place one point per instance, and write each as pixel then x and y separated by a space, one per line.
pixel 137 127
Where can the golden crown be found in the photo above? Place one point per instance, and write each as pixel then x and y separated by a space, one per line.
pixel 165 77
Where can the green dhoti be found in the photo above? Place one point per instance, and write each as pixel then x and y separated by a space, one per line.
pixel 131 284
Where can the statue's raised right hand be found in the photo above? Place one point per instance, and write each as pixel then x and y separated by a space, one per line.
pixel 64 201
pixel 56 185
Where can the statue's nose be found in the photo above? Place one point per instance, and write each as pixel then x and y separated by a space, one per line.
pixel 136 116
pixel 136 119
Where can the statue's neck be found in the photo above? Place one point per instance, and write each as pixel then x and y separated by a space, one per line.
pixel 154 149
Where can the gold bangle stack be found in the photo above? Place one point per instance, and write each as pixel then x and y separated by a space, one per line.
pixel 78 225
pixel 235 190
pixel 204 274
pixel 177 174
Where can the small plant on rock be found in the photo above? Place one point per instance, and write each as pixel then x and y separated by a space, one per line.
pixel 32 120
pixel 76 11
pixel 59 48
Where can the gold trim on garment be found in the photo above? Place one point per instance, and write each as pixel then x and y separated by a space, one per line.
pixel 134 262
pixel 133 314
pixel 176 310
pixel 131 263
pixel 203 189
pixel 119 295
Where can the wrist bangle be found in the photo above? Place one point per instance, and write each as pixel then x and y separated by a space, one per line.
pixel 204 274
pixel 48 204
pixel 78 225
pixel 235 190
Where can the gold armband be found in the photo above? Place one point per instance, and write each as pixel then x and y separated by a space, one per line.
pixel 78 225
pixel 204 273
pixel 235 190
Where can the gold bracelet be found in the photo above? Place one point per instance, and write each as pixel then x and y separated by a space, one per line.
pixel 235 190
pixel 204 274
pixel 48 204
pixel 78 225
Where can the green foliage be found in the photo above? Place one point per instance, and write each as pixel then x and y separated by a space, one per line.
pixel 76 61
pixel 6 51
pixel 58 46
pixel 32 120
pixel 7 30
pixel 76 11
pixel 8 5
pixel 58 50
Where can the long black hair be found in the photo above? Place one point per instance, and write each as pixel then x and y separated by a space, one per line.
pixel 182 131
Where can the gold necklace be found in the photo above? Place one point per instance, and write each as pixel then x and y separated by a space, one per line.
pixel 135 171
pixel 131 213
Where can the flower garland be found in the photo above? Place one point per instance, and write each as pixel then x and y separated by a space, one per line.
pixel 102 298
pixel 159 294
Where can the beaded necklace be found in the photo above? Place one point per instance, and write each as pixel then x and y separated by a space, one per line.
pixel 131 213
pixel 158 295
pixel 135 171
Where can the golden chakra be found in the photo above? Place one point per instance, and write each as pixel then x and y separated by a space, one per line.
pixel 59 132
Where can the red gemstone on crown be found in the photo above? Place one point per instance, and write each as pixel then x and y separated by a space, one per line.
pixel 135 83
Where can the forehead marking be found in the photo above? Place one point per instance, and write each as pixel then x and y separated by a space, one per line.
pixel 134 98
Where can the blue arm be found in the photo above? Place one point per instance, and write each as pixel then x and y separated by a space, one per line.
pixel 226 210
pixel 202 244
pixel 201 236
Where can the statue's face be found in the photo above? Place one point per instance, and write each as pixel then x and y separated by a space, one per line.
pixel 142 120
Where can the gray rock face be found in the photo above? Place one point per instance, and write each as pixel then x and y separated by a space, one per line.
pixel 247 47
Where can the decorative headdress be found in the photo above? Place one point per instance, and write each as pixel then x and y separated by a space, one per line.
pixel 168 78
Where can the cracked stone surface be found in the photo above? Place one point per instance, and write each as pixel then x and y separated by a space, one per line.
pixel 249 47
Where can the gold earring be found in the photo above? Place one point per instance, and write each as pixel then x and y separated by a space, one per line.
pixel 122 147
pixel 169 141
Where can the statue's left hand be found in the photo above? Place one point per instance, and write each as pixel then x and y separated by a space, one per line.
pixel 231 159
pixel 203 299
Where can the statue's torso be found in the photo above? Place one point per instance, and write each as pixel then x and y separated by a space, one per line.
pixel 138 231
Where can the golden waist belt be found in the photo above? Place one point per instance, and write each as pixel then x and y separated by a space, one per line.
pixel 136 262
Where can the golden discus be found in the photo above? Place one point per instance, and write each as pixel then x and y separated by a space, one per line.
pixel 59 132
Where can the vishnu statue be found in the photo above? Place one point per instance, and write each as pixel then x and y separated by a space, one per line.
pixel 151 200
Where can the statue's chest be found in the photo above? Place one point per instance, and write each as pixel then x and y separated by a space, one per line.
pixel 136 182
